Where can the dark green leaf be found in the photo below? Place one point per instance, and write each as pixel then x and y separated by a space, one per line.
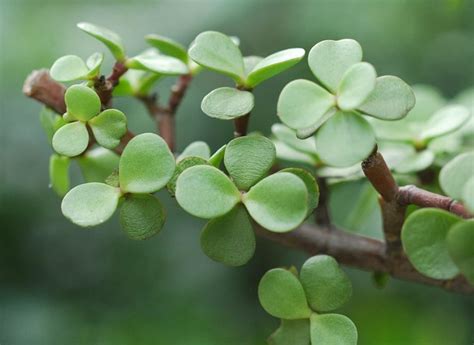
pixel 142 216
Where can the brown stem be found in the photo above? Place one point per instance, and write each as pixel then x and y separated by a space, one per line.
pixel 241 125
pixel 105 86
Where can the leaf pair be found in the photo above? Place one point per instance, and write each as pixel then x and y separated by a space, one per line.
pixel 83 107
pixel 320 287
pixel 71 68
pixel 146 166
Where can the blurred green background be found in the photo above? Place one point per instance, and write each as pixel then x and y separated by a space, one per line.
pixel 64 285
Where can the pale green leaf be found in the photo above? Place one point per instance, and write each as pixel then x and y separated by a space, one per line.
pixel 108 127
pixel 287 153
pixel 311 186
pixel 82 102
pixel 59 174
pixel 291 332
pixel 227 103
pixel 250 62
pixel 157 63
pixel 69 68
pixel 97 164
pixel 182 165
pixel 444 121
pixel 356 85
pixel 305 133
pixel 288 136
pixel 168 46
pixel 332 329
pixel 107 37
pixel 141 216
pixel 456 173
pixel 417 161
pixel 428 101
pixel 461 247
pixel 71 139
pixel 94 62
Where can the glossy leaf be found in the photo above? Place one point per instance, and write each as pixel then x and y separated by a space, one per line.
pixel 456 173
pixel 288 136
pixel 107 37
pixel 281 295
pixel 356 85
pixel 417 161
pixel 217 157
pixel 332 329
pixel 108 127
pixel 182 165
pixel 196 149
pixel 424 240
pixel 69 68
pixel 291 332
pixel 82 102
pixel 157 63
pixel 97 164
pixel 311 186
pixel 168 46
pixel 71 140
pixel 229 239
pixel 206 192
pixel 59 174
pixel 93 64
pixel 146 164
pixel 142 216
pixel 278 202
pixel 444 121
pixel 227 103
pixel 90 204
pixel 461 247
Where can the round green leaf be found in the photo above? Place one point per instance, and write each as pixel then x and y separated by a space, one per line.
pixel 273 65
pixel 424 240
pixel 288 136
pixel 218 52
pixel 168 46
pixel 468 194
pixel 59 174
pixel 229 239
pixel 248 159
pixel 281 295
pixel 106 36
pixel 69 68
pixel 311 186
pixel 417 161
pixel 157 63
pixel 71 139
pixel 303 104
pixel 82 102
pixel 108 127
pixel 444 121
pixel 329 60
pixel 93 64
pixel 455 174
pixel 97 164
pixel 461 247
pixel 90 204
pixel 356 85
pixel 227 103
pixel 206 192
pixel 217 157
pixel 182 165
pixel 326 285
pixel 278 202
pixel 345 139
pixel 146 164
pixel 332 329
pixel 142 216
pixel 291 332
pixel 196 149
pixel 391 99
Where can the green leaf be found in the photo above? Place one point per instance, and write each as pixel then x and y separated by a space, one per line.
pixel 329 60
pixel 82 102
pixel 167 46
pixel 428 101
pixel 274 64
pixel 281 295
pixel 50 122
pixel 248 159
pixel 69 68
pixel 326 285
pixel 345 139
pixel 182 165
pixel 59 174
pixel 311 186
pixel 417 161
pixel 305 133
pixel 217 157
pixel 90 204
pixel 108 127
pixel 146 164
pixel 332 329
pixel 303 104
pixel 356 85
pixel 424 240
pixel 196 149
pixel 142 216
pixel 216 51
pixel 278 202
pixel 206 192
pixel 94 62
pixel 288 137
pixel 461 247
pixel 229 239
pixel 250 62
pixel 227 103
pixel 71 139
pixel 468 194
pixel 455 174
pixel 291 332
pixel 157 63
pixel 97 164
pixel 287 153
pixel 391 99
pixel 107 37
pixel 444 121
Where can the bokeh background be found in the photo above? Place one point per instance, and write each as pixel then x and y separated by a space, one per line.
pixel 60 284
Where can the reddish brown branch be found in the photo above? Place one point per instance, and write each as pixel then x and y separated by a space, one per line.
pixel 379 175
pixel 241 125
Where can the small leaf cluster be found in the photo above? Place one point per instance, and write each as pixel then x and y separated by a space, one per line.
pixel 303 301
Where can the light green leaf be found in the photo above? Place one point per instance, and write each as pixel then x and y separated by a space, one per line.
pixel 332 329
pixel 146 164
pixel 278 202
pixel 206 192
pixel 227 103
pixel 82 102
pixel 250 62
pixel 90 204
pixel 456 173
pixel 50 122
pixel 108 127
pixel 142 216
pixel 326 285
pixel 71 139
pixel 417 161
pixel 291 332
pixel 311 186
pixel 216 51
pixel 428 101
pixel 287 153
pixel 168 46
pixel 303 104
pixel 391 99
pixel 59 174
pixel 356 85
pixel 424 240
pixel 288 137
pixel 281 295
pixel 305 133
pixel 345 139
pixel 461 247
pixel 468 194
pixel 106 36
pixel 248 159
pixel 157 63
pixel 274 64
pixel 229 239
pixel 97 164
pixel 93 64
pixel 69 68
pixel 182 165
pixel 196 149
pixel 329 60
pixel 444 121
pixel 217 157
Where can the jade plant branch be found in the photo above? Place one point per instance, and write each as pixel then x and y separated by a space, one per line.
pixel 349 249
